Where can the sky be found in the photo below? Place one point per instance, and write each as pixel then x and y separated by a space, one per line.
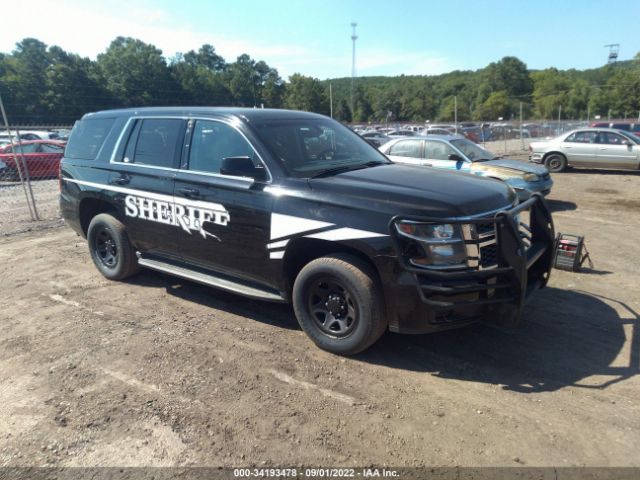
pixel 410 37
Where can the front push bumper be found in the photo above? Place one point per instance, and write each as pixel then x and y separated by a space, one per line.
pixel 507 260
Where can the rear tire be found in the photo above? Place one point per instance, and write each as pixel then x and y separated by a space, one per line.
pixel 338 303
pixel 556 163
pixel 110 248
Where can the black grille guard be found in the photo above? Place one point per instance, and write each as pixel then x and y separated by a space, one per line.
pixel 521 268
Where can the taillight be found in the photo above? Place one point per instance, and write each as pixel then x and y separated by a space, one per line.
pixel 60 176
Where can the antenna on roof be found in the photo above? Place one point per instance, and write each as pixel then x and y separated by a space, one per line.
pixel 354 37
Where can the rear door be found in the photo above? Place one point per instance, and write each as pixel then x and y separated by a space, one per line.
pixel 580 148
pixel 144 169
pixel 616 151
pixel 227 219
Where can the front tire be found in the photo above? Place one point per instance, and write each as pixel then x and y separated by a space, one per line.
pixel 338 303
pixel 556 163
pixel 110 248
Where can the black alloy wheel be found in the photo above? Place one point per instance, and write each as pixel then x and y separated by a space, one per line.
pixel 339 303
pixel 105 247
pixel 332 307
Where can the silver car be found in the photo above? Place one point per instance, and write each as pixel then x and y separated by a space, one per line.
pixel 588 147
pixel 453 152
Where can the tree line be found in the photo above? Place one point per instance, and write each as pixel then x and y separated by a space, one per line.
pixel 45 84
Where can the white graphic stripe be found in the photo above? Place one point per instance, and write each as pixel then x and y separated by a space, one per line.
pixel 345 234
pixel 276 255
pixel 280 244
pixel 153 196
pixel 287 225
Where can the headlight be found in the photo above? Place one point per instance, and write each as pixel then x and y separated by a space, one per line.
pixel 531 177
pixel 436 245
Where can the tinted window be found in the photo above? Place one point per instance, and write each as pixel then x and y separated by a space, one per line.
pixel 87 138
pixel 214 141
pixel 581 137
pixel 156 143
pixel 407 148
pixel 437 150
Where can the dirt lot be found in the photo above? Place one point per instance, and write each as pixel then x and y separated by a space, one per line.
pixel 159 372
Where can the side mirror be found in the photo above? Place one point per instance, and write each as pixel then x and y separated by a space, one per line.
pixel 455 157
pixel 242 167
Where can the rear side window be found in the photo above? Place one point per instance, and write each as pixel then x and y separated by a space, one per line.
pixel 581 137
pixel 87 138
pixel 406 148
pixel 155 142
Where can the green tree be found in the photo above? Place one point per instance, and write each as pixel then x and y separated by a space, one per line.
pixel 137 74
pixel 306 93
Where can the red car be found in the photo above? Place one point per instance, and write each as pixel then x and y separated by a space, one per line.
pixel 42 158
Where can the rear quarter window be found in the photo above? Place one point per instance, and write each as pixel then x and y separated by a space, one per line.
pixel 87 138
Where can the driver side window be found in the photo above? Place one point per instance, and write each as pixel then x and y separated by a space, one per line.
pixel 212 142
pixel 437 150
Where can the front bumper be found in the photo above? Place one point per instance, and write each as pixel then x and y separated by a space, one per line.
pixel 536 157
pixel 527 189
pixel 506 262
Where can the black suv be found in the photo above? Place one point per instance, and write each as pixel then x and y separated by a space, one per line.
pixel 292 206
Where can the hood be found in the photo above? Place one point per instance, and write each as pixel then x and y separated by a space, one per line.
pixel 415 190
pixel 517 165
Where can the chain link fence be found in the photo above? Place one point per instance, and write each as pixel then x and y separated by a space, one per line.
pixel 29 164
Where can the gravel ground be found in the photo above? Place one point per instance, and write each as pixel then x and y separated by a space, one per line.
pixel 160 372
pixel 15 215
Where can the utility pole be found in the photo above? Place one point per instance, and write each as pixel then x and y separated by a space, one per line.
pixel 521 137
pixel 330 101
pixel 354 37
pixel 455 112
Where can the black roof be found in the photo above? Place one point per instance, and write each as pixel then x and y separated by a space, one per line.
pixel 247 114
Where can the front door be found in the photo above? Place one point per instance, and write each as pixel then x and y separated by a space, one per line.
pixel 616 151
pixel 227 219
pixel 437 153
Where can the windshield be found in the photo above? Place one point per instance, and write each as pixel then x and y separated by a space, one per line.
pixel 307 147
pixel 472 151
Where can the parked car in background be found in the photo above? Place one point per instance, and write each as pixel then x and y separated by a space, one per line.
pixel 42 158
pixel 627 126
pixel 460 154
pixel 588 147
pixel 401 133
pixel 437 131
pixel 375 138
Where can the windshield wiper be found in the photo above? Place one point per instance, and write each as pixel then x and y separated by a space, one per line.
pixel 346 168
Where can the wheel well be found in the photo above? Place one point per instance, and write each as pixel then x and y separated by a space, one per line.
pixel 301 251
pixel 546 155
pixel 89 208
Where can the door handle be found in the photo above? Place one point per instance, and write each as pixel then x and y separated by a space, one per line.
pixel 120 181
pixel 190 192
